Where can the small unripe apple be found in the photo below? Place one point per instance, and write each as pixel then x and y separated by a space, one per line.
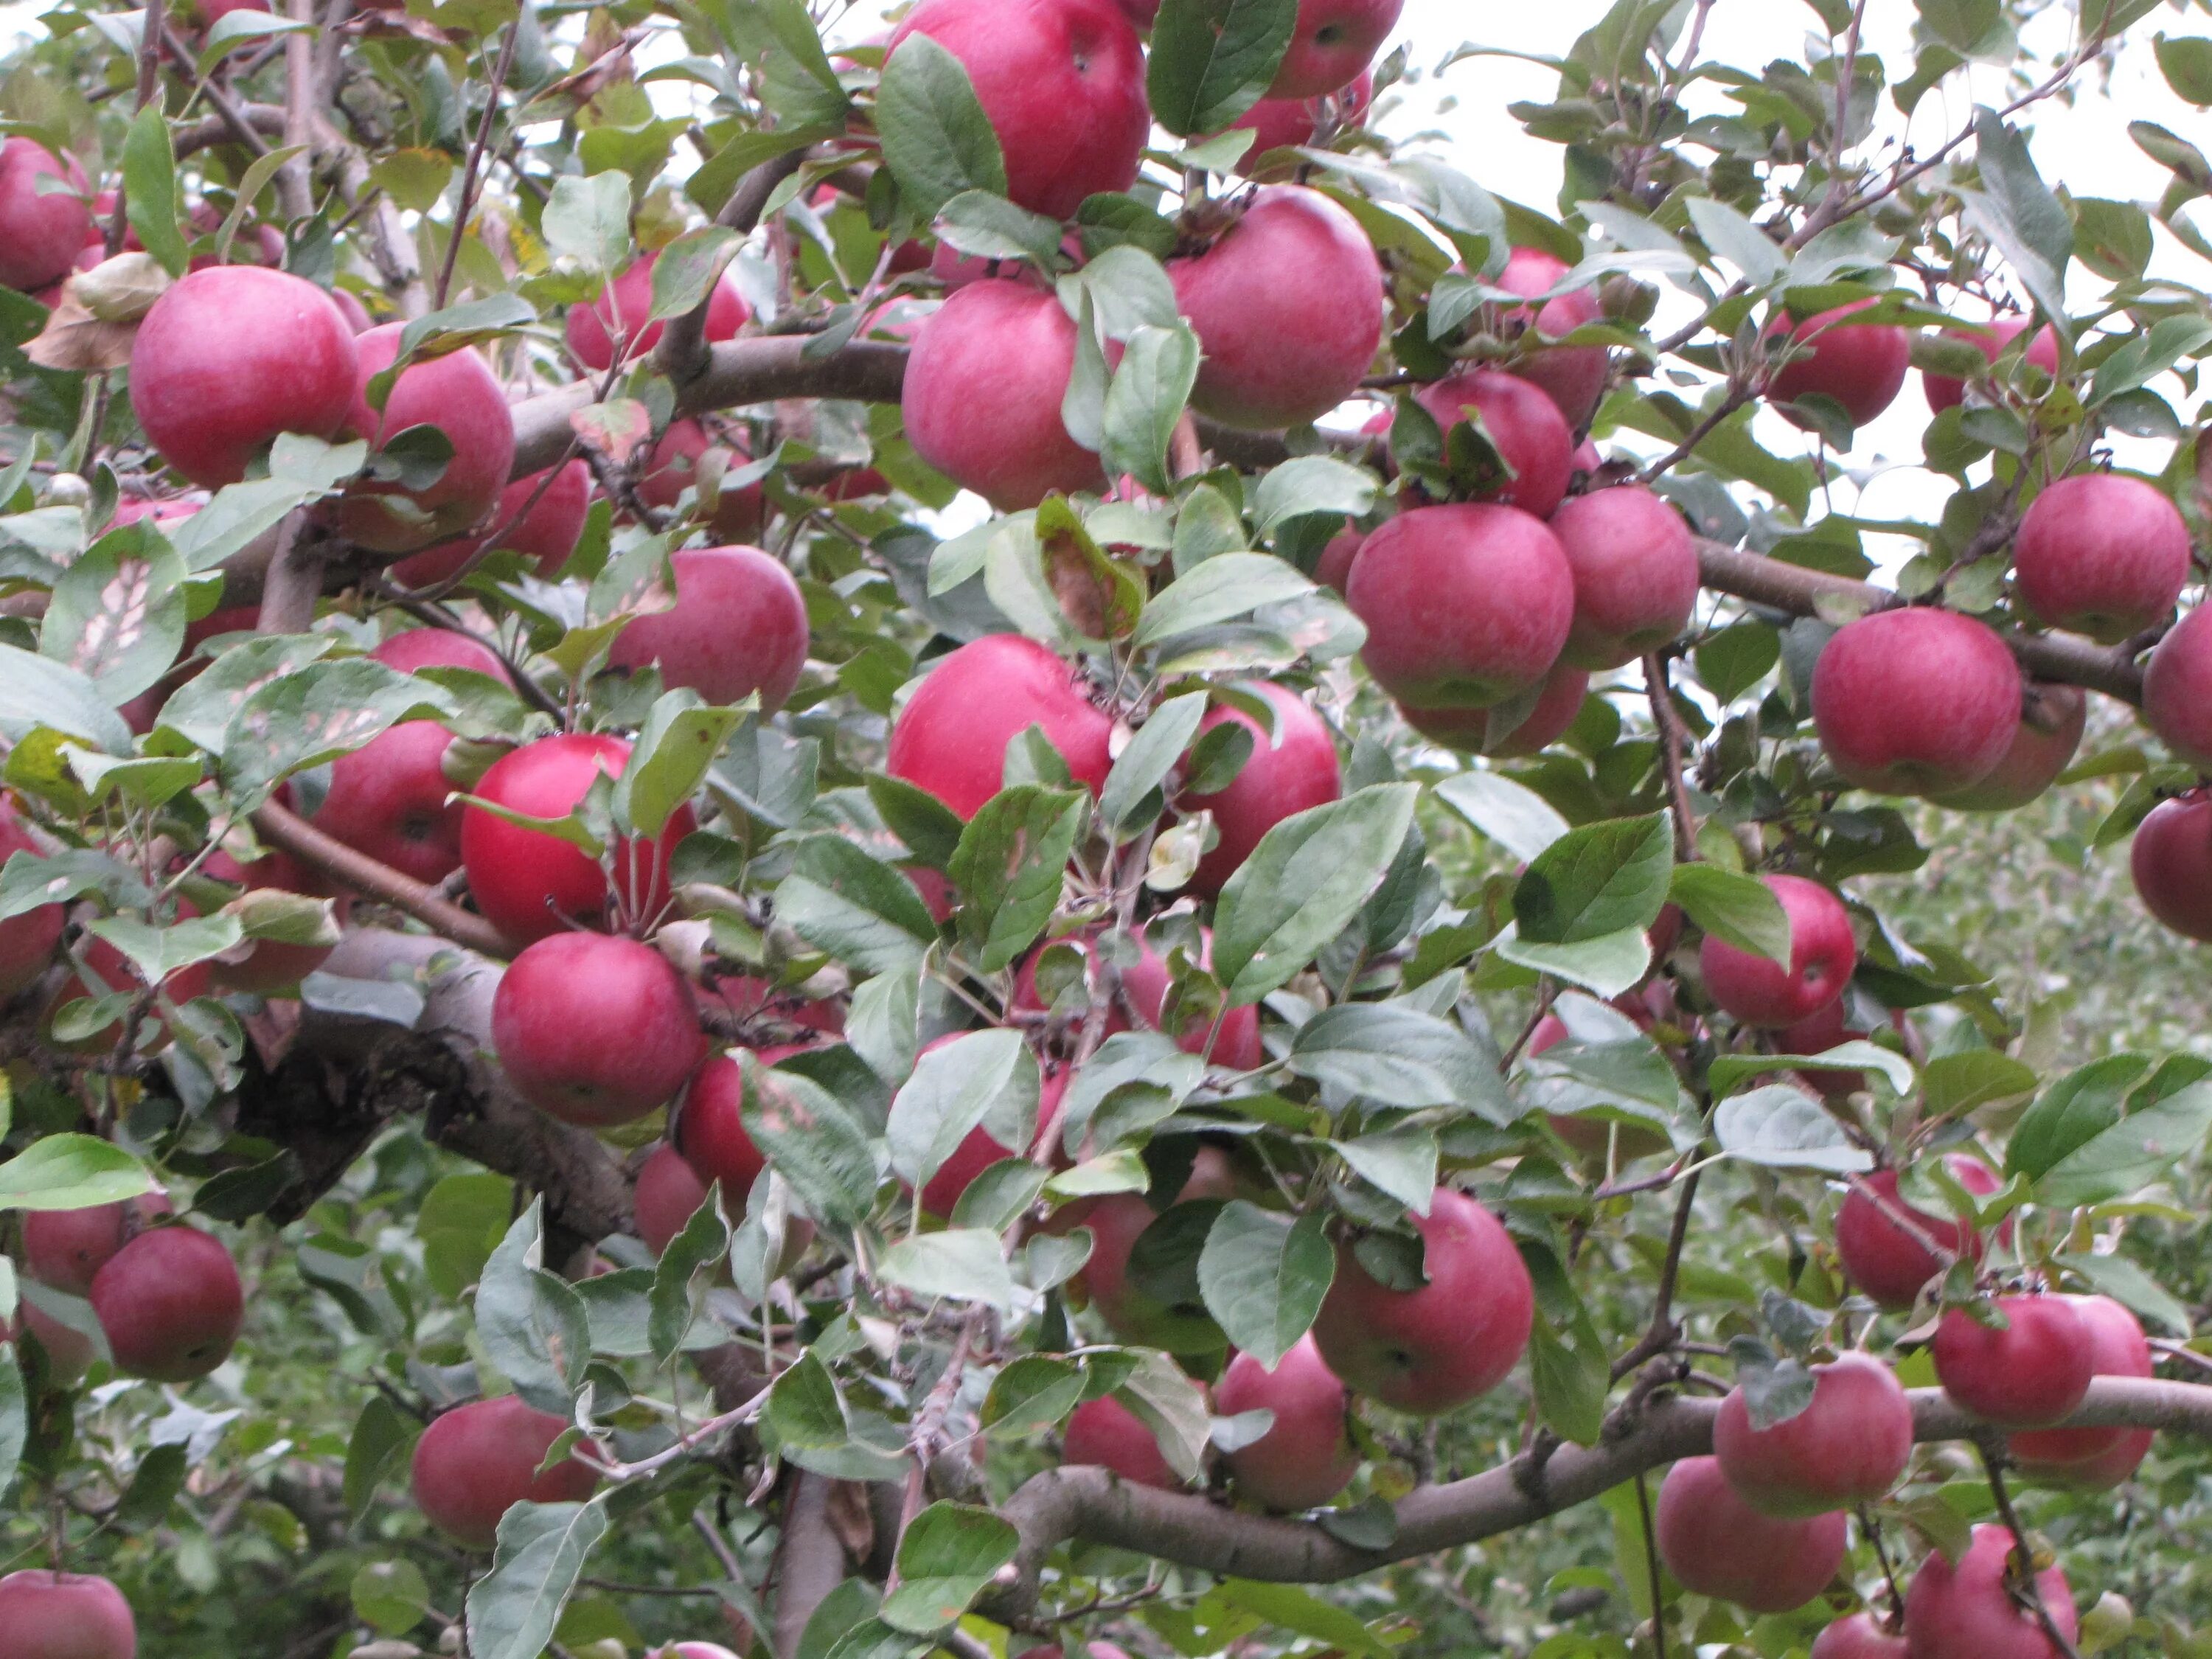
pixel 1859 1635
pixel 1465 606
pixel 595 1030
pixel 620 317
pixel 1062 83
pixel 679 460
pixel 1306 1457
pixel 1453 1339
pixel 66 1248
pixel 1289 774
pixel 2028 1375
pixel 739 627
pixel 1573 377
pixel 1717 1545
pixel 668 1194
pixel 1756 990
pixel 1292 123
pixel 40 231
pixel 950 738
pixel 2171 863
pixel 1967 1611
pixel 1861 365
pixel 1524 427
pixel 1849 1447
pixel 547 529
pixel 1916 701
pixel 477 1461
pixel 2101 554
pixel 984 386
pixel 2052 718
pixel 1883 1257
pixel 1106 1433
pixel 1991 340
pixel 234 355
pixel 2093 1459
pixel 1332 42
pixel 1557 707
pixel 1288 307
pixel 2176 689
pixel 1636 575
pixel 170 1303
pixel 65 1615
pixel 27 942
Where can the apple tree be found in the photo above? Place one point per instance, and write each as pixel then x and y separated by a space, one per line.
pixel 1004 837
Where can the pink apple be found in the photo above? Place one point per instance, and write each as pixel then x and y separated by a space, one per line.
pixel 1334 569
pixel 595 1030
pixel 739 627
pixel 477 1461
pixel 1306 1457
pixel 1284 775
pixel 1891 1260
pixel 66 1248
pixel 1524 427
pixel 1573 377
pixel 2052 718
pixel 669 1194
pixel 1756 990
pixel 414 648
pixel 1116 1222
pixel 1144 989
pixel 950 738
pixel 620 318
pixel 456 394
pixel 2177 695
pixel 27 942
pixel 388 799
pixel 1291 123
pixel 539 523
pixel 2102 555
pixel 1849 1447
pixel 1558 706
pixel 1859 1635
pixel 2171 863
pixel 40 231
pixel 1860 366
pixel 2093 1458
pixel 1636 575
pixel 170 1303
pixel 1991 340
pixel 1967 1611
pixel 1333 42
pixel 1916 701
pixel 1717 1545
pixel 1107 1434
pixel 679 461
pixel 710 1129
pixel 2027 1374
pixel 65 1615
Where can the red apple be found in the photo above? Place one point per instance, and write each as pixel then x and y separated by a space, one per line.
pixel 66 1248
pixel 270 966
pixel 1465 606
pixel 1717 1545
pixel 1306 1458
pixel 1860 1635
pixel 1860 365
pixel 1293 774
pixel 978 1152
pixel 1881 1255
pixel 2052 717
pixel 68 1351
pixel 1062 83
pixel 476 1460
pixel 2101 554
pixel 669 1194
pixel 984 385
pixel 1524 427
pixel 1334 569
pixel 1967 1612
pixel 699 1649
pixel 595 1030
pixel 950 738
pixel 1573 377
pixel 2028 1375
pixel 675 463
pixel 1288 306
pixel 413 648
pixel 1556 708
pixel 40 231
pixel 170 1303
pixel 458 394
pixel 1291 123
pixel 65 1615
pixel 1107 1434
pixel 739 627
pixel 2093 1458
pixel 710 1129
pixel 1758 991
pixel 1334 41
pixel 1116 1222
pixel 1991 340
pixel 529 883
pixel 1144 991
pixel 1916 701
pixel 387 798
pixel 1433 1349
pixel 2171 863
pixel 27 942
pixel 231 358
pixel 620 317
pixel 1636 575
pixel 1849 1447
pixel 546 530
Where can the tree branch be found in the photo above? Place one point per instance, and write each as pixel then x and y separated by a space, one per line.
pixel 290 833
pixel 680 354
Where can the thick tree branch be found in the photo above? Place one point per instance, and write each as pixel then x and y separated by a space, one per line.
pixel 680 354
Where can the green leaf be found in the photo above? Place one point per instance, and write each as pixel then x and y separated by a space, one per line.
pixel 514 1609
pixel 587 219
pixel 812 1139
pixel 1605 966
pixel 1171 1406
pixel 987 226
pixel 1131 797
pixel 1262 1276
pixel 1225 585
pixel 1511 814
pixel 937 141
pixel 1952 1085
pixel 1394 1056
pixel 1736 239
pixel 858 909
pixel 690 267
pixel 116 616
pixel 962 1264
pixel 1308 485
pixel 36 692
pixel 1596 881
pixel 2020 216
pixel 234 29
pixel 1033 1391
pixel 979 1079
pixel 390 1596
pixel 803 1407
pixel 2127 1284
pixel 2072 1112
pixel 2131 1153
pixel 1785 1128
pixel 945 1559
pixel 680 743
pixel 1737 657
pixel 2186 62
pixel 1729 1070
pixel 1144 400
pixel 531 1322
pixel 1101 597
pixel 1291 1608
pixel 14 1423
pixel 1571 1380
pixel 1212 60
pixel 1737 910
pixel 677 1286
pixel 71 1172
pixel 380 1434
pixel 1401 1162
pixel 318 712
pixel 1309 876
pixel 149 188
pixel 1009 868
pixel 158 952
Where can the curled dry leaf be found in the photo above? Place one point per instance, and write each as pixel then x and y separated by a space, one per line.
pixel 74 339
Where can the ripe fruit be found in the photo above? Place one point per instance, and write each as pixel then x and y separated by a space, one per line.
pixel 2176 701
pixel 1306 1458
pixel 1428 1350
pixel 1944 392
pixel 1524 426
pixel 475 1461
pixel 2052 717
pixel 1295 772
pixel 387 798
pixel 1916 701
pixel 526 881
pixel 977 1150
pixel 1573 377
pixel 546 532
pixel 595 1030
pixel 1062 83
pixel 2171 863
pixel 66 1248
pixel 739 626
pixel 680 461
pixel 1334 569
pixel 1884 1259
pixel 1849 1447
pixel 65 1615
pixel 68 1351
pixel 230 357
pixel 1116 1222
pixel 1144 990
pixel 1105 1432
pixel 1860 365
pixel 1465 606
pixel 1718 1546
pixel 1557 707
pixel 950 738
pixel 1967 1612
pixel 1858 1636
pixel 170 1303
pixel 2093 1459
pixel 270 965
pixel 710 1129
pixel 669 1194
pixel 41 232
pixel 2102 555
pixel 27 942
pixel 1288 306
pixel 984 385
pixel 1636 575
pixel 1759 991
pixel 2027 1374
pixel 1332 42
pixel 620 317
pixel 456 394
pixel 1289 123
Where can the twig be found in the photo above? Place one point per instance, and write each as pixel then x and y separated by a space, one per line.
pixel 474 165
pixel 1652 1568
pixel 1674 744
pixel 286 831
pixel 685 1445
pixel 1737 397
pixel 681 354
pixel 236 121
pixel 2019 1580
pixel 295 187
pixel 1660 1335
pixel 1870 1525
